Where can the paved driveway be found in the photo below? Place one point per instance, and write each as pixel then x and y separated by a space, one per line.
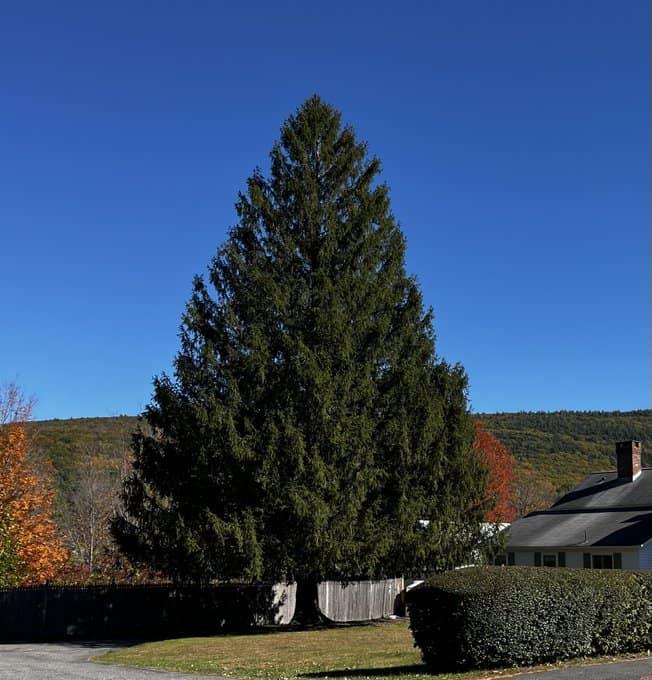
pixel 625 670
pixel 70 661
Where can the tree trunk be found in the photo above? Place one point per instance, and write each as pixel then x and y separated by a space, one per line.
pixel 307 611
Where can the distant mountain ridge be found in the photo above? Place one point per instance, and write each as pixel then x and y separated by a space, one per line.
pixel 63 441
pixel 562 446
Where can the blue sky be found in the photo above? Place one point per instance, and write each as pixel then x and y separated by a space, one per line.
pixel 514 137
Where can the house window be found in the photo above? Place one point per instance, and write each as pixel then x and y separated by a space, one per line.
pixel 502 559
pixel 549 560
pixel 603 561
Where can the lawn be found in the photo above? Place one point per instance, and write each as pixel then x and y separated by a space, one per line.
pixel 382 650
pixel 378 651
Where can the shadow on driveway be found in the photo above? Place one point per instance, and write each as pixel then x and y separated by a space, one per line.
pixel 369 672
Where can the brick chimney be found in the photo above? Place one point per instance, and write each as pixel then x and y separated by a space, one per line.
pixel 628 457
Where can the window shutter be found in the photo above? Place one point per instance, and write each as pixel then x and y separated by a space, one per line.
pixel 537 559
pixel 618 561
pixel 587 560
pixel 511 559
pixel 561 559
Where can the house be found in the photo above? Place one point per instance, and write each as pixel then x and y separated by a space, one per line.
pixel 604 523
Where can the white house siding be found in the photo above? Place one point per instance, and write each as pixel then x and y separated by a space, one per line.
pixel 574 560
pixel 575 557
pixel 523 558
pixel 632 562
pixel 645 557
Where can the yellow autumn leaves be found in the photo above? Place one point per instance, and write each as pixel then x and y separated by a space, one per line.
pixel 31 550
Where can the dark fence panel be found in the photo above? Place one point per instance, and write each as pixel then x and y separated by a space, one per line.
pixel 97 612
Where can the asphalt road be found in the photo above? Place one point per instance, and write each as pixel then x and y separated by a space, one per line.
pixel 624 670
pixel 70 661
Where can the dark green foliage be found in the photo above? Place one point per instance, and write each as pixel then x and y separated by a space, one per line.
pixel 512 616
pixel 564 446
pixel 308 426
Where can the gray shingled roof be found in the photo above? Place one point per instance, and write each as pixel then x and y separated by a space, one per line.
pixel 566 529
pixel 604 490
pixel 602 511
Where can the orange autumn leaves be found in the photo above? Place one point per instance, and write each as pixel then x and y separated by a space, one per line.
pixel 30 548
pixel 498 459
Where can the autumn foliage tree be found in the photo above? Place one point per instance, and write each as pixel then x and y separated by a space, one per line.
pixel 500 487
pixel 31 550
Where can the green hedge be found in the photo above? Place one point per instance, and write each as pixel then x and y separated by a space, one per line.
pixel 512 616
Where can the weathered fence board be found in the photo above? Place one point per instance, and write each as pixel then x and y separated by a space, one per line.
pixel 359 600
pixel 283 604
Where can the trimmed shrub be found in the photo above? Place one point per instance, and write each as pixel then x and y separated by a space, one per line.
pixel 484 617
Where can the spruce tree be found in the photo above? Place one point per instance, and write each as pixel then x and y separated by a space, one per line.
pixel 309 427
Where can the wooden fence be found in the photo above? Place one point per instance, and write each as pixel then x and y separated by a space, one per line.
pixel 283 604
pixel 105 612
pixel 360 600
pixel 139 612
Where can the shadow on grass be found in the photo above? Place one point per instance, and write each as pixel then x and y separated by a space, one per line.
pixel 413 669
pixel 289 628
pixel 101 644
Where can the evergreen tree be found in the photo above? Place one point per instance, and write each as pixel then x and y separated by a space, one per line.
pixel 309 425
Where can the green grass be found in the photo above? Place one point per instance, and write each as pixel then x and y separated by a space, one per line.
pixel 378 651
pixel 382 650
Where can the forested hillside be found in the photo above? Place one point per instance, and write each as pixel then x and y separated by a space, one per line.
pixel 89 458
pixel 561 446
pixel 65 442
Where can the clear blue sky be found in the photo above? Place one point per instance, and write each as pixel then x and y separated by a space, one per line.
pixel 514 136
